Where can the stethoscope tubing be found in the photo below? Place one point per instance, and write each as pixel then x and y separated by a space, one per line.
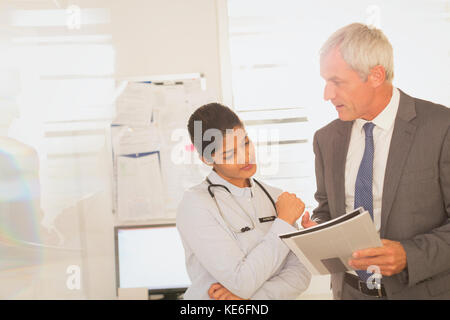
pixel 212 185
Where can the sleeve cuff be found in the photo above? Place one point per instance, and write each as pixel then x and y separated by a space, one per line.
pixel 410 276
pixel 280 226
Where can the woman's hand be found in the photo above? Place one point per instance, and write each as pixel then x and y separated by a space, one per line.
pixel 219 292
pixel 289 207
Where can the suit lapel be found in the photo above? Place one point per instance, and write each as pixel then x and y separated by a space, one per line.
pixel 340 145
pixel 402 139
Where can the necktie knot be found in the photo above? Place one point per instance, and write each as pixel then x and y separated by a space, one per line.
pixel 368 128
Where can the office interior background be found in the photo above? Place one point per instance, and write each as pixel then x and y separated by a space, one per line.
pixel 63 64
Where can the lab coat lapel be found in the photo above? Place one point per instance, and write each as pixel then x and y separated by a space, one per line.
pixel 233 215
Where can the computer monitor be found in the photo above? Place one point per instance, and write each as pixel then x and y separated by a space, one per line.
pixel 150 256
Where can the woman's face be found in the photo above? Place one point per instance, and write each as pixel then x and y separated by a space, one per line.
pixel 235 158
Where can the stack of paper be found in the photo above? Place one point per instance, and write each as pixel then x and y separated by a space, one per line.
pixel 327 247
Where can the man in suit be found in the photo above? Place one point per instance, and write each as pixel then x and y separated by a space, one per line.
pixel 389 153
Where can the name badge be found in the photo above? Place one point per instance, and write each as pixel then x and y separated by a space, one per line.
pixel 267 219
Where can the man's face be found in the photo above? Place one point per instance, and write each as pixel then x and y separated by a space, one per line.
pixel 351 96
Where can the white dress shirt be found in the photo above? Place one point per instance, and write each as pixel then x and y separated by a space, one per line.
pixel 255 264
pixel 382 134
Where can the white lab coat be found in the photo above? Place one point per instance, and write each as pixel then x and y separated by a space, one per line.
pixel 253 265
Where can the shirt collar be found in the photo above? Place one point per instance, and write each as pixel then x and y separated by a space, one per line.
pixel 235 191
pixel 386 118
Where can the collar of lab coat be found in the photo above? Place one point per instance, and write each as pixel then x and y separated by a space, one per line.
pixel 246 192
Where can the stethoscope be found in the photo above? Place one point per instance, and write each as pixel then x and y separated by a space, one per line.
pixel 246 228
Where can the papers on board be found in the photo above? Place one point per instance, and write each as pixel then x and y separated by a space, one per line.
pixel 134 105
pixel 139 187
pixel 153 117
pixel 174 103
pixel 129 140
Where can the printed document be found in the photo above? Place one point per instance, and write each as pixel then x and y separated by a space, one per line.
pixel 327 247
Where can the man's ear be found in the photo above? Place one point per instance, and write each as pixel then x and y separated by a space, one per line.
pixel 377 76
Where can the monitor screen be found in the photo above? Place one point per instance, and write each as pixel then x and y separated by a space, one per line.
pixel 150 257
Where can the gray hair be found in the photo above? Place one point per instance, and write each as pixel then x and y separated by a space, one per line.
pixel 362 48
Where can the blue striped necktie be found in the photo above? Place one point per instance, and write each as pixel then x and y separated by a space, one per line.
pixel 363 185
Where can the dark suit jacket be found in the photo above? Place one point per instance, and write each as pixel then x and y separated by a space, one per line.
pixel 416 195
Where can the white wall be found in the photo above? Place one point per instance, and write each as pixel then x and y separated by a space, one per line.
pixel 153 37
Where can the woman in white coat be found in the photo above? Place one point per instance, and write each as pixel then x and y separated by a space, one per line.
pixel 230 223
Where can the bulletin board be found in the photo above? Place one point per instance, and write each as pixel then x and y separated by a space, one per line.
pixel 154 161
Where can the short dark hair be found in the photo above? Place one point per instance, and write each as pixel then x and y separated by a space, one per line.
pixel 212 116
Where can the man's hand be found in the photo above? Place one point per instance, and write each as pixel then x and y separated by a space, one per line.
pixel 307 222
pixel 219 292
pixel 390 258
pixel 289 207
